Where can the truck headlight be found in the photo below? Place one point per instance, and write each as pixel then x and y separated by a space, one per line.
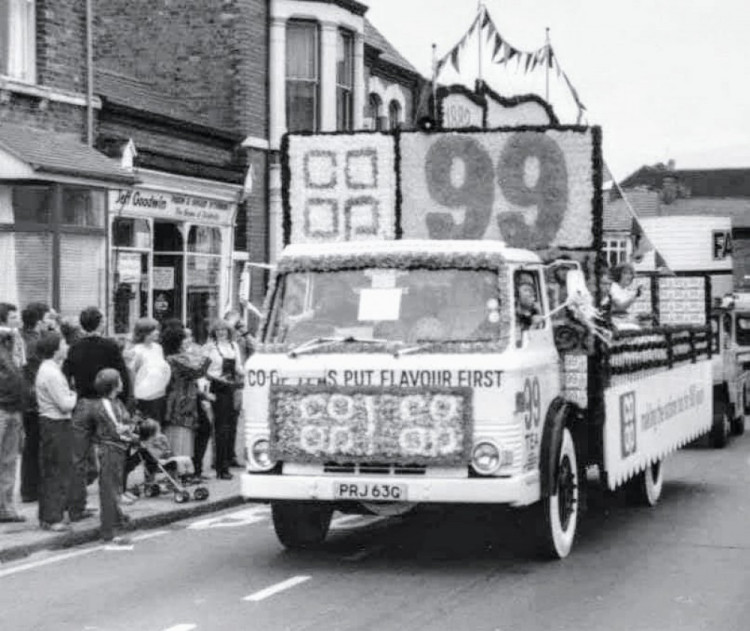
pixel 260 454
pixel 485 458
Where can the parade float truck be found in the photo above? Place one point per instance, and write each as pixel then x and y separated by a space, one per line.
pixel 696 245
pixel 399 362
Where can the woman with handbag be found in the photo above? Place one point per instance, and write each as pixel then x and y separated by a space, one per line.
pixel 225 376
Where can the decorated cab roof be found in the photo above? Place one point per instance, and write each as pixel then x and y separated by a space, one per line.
pixel 403 254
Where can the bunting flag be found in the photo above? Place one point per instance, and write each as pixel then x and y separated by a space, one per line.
pixel 453 53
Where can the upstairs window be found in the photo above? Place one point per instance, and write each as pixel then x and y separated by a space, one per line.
pixel 18 40
pixel 344 80
pixel 394 115
pixel 302 76
pixel 376 112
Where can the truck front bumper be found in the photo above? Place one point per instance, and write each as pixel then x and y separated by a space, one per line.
pixel 519 490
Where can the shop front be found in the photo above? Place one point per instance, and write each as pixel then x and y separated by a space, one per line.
pixel 171 251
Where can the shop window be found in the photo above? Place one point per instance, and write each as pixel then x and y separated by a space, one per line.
pixel 302 76
pixel 203 282
pixel 83 207
pixel 18 39
pixel 131 233
pixel 81 256
pixel 204 240
pixel 32 204
pixel 376 107
pixel 167 237
pixel 34 267
pixel 394 115
pixel 344 80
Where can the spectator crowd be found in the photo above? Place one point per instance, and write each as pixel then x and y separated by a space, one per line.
pixel 78 406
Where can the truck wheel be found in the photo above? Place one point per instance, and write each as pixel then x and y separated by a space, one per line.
pixel 738 425
pixel 645 488
pixel 558 514
pixel 301 525
pixel 721 425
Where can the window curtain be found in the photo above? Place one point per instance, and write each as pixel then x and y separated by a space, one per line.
pixel 301 51
pixel 81 257
pixel 33 254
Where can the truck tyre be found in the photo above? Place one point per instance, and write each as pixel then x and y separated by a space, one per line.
pixel 301 525
pixel 721 424
pixel 645 488
pixel 557 514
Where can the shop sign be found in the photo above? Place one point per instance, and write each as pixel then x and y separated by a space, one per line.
pixel 152 203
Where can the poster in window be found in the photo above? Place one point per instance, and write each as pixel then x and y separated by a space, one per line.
pixel 129 267
pixel 163 278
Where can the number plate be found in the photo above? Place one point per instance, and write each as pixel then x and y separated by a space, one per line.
pixel 369 491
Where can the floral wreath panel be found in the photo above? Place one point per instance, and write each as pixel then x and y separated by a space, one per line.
pixel 340 187
pixel 427 426
pixel 532 187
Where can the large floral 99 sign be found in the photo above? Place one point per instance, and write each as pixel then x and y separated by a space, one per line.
pixel 529 188
pixel 399 426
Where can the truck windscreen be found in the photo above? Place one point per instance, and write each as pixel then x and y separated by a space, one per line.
pixel 396 305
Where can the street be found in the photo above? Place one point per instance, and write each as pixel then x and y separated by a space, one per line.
pixel 683 565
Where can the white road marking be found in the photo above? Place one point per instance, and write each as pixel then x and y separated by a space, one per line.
pixel 182 627
pixel 48 561
pixel 275 589
pixel 236 519
pixel 150 535
pixel 118 548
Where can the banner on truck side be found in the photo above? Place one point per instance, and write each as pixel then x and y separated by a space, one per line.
pixel 534 187
pixel 653 416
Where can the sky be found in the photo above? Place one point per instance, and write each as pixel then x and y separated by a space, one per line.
pixel 665 79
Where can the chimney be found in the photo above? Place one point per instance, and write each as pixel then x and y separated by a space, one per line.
pixel 670 165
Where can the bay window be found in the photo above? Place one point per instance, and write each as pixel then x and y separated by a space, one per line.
pixel 302 76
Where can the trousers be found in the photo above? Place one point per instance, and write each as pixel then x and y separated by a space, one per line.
pixel 30 457
pixel 83 427
pixel 112 463
pixel 55 465
pixel 10 442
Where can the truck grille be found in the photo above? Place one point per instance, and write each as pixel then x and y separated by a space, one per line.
pixel 372 468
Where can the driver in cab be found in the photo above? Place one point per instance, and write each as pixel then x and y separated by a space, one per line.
pixel 528 315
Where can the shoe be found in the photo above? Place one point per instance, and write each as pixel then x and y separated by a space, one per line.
pixel 201 478
pixel 29 500
pixel 84 514
pixel 235 464
pixel 117 541
pixel 225 476
pixel 12 519
pixel 127 499
pixel 56 527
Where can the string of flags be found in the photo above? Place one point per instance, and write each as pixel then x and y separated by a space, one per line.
pixel 503 52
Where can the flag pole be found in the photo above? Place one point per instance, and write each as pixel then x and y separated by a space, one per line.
pixel 546 68
pixel 480 10
pixel 434 82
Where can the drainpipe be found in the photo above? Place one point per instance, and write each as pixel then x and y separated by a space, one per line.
pixel 89 75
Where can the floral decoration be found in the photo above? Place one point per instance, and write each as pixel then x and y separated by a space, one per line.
pixel 420 426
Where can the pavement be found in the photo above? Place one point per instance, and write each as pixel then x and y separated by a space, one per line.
pixel 19 540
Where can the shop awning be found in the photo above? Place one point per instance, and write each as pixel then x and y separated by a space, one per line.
pixel 34 154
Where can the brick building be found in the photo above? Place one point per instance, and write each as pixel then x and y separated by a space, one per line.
pixel 53 184
pixel 139 141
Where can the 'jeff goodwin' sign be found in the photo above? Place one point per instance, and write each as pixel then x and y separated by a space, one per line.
pixel 176 206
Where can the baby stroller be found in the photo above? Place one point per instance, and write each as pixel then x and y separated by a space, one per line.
pixel 163 472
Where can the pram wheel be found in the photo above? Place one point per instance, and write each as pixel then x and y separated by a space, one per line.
pixel 152 490
pixel 200 493
pixel 181 497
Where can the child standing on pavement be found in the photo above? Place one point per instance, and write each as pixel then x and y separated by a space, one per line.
pixel 114 432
